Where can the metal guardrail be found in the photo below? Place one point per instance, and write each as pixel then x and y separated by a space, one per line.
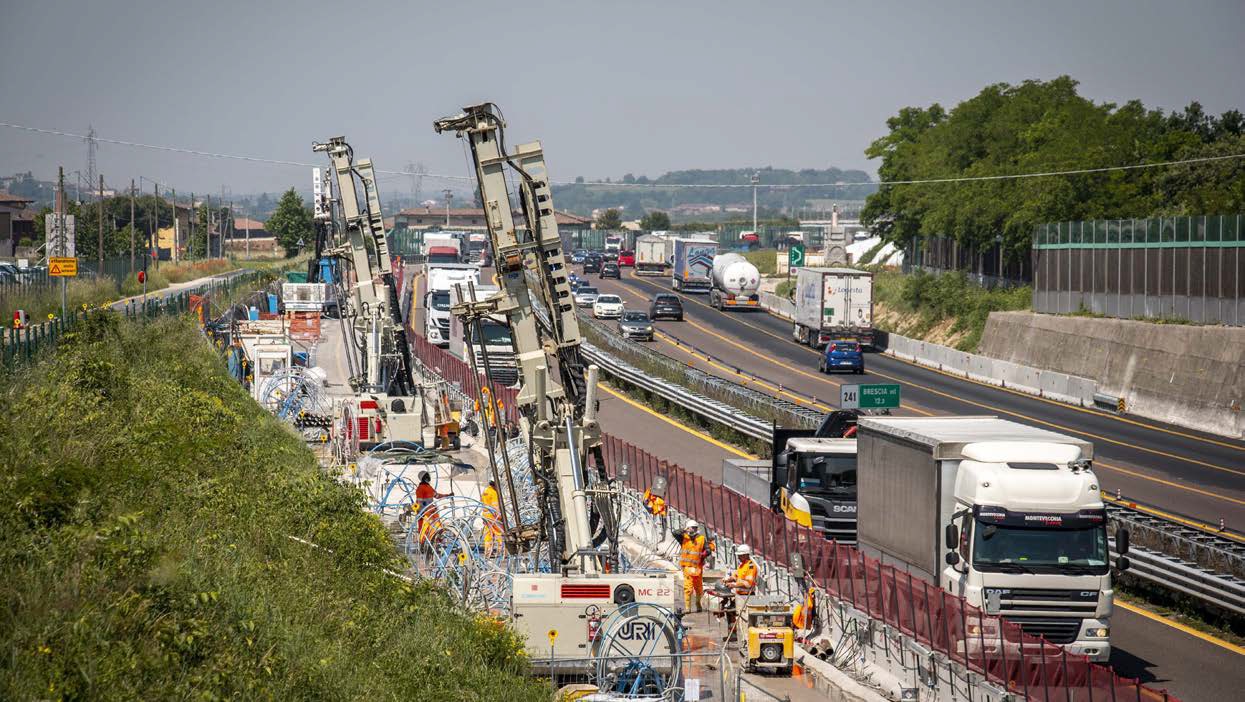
pixel 1208 579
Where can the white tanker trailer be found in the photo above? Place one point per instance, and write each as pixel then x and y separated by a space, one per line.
pixel 735 282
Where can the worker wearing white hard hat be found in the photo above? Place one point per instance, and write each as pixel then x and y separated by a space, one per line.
pixel 742 583
pixel 694 550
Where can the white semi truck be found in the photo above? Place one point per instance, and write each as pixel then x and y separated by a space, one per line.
pixel 693 264
pixel 735 282
pixel 442 278
pixel 833 304
pixel 654 254
pixel 443 247
pixel 1007 516
pixel 497 340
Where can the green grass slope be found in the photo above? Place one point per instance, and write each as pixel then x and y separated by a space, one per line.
pixel 146 514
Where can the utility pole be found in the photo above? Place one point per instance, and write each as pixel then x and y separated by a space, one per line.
pixel 248 236
pixel 194 214
pixel 131 226
pixel 155 229
pixel 756 178
pixel 449 195
pixel 177 231
pixel 60 227
pixel 99 211
pixel 207 229
pixel 232 230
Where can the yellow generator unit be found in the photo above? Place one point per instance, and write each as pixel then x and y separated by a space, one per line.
pixel 771 637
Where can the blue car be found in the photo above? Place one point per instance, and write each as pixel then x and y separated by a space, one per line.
pixel 842 356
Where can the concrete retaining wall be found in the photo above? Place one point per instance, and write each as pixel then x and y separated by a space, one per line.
pixel 1188 375
pixel 1054 385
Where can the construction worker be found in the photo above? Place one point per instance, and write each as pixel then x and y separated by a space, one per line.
pixel 655 504
pixel 695 550
pixel 425 494
pixel 742 584
pixel 492 515
pixel 805 615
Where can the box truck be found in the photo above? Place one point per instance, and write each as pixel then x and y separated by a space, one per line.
pixel 442 278
pixel 693 264
pixel 833 304
pixel 653 254
pixel 1009 517
pixel 495 339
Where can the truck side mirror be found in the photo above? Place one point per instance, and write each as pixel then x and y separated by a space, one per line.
pixel 1122 564
pixel 952 536
pixel 1121 541
pixel 953 558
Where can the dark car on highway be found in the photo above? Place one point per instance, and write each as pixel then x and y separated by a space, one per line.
pixel 666 306
pixel 609 269
pixel 842 356
pixel 578 256
pixel 592 264
pixel 635 325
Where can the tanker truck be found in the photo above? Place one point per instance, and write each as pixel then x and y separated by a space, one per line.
pixel 735 282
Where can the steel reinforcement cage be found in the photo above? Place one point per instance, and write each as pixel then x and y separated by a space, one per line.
pixel 987 645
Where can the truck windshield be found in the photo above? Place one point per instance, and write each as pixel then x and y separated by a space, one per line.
pixel 441 301
pixel 998 547
pixel 442 258
pixel 496 334
pixel 826 473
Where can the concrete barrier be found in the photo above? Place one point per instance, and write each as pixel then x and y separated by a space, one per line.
pixel 1189 375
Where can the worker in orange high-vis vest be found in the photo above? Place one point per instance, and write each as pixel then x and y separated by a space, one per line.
pixel 492 515
pixel 424 496
pixel 694 552
pixel 743 583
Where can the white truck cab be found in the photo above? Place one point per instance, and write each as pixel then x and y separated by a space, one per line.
pixel 1028 539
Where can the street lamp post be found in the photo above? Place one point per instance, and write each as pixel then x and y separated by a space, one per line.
pixel 449 195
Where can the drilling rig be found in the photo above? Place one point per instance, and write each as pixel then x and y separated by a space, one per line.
pixel 557 407
pixel 388 406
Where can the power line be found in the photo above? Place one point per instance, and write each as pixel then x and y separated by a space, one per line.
pixel 769 186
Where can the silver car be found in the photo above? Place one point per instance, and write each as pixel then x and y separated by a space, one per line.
pixel 635 325
pixel 586 296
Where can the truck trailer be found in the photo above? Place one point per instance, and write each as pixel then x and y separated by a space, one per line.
pixel 654 254
pixel 693 264
pixel 1009 517
pixel 833 304
pixel 735 283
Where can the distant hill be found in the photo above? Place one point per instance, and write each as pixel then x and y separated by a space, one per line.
pixel 583 199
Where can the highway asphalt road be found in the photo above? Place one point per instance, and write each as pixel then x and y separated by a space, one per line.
pixel 1155 651
pixel 1189 665
pixel 1179 470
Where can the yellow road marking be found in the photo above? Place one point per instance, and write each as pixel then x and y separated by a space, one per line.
pixel 1000 410
pixel 1239 650
pixel 1168 483
pixel 698 434
pixel 1168 515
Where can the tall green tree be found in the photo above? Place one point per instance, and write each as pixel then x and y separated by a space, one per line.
pixel 1037 127
pixel 609 219
pixel 655 220
pixel 290 223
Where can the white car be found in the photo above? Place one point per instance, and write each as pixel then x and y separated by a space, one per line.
pixel 607 307
pixel 586 296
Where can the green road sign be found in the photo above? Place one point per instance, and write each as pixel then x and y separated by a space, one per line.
pixel 795 255
pixel 876 396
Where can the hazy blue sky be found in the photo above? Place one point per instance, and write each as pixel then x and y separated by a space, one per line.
pixel 610 87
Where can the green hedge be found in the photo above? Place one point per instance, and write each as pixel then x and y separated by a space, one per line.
pixel 931 299
pixel 147 514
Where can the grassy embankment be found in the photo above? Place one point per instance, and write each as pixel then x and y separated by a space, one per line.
pixel 946 309
pixel 39 301
pixel 148 510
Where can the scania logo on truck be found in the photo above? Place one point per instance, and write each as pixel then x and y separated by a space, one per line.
pixel 842 508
